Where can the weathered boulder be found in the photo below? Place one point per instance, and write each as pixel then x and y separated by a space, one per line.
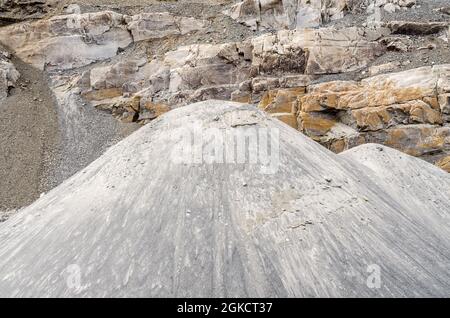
pixel 416 28
pixel 69 41
pixel 146 26
pixel 75 40
pixel 444 163
pixel 406 110
pixel 315 51
pixel 287 14
pixel 8 75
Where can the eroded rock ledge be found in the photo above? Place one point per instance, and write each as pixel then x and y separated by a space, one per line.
pixel 83 54
pixel 241 71
pixel 297 14
pixel 409 111
pixel 76 40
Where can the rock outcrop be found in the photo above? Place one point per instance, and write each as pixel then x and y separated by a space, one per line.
pixel 239 71
pixel 272 70
pixel 287 14
pixel 141 222
pixel 8 75
pixel 416 28
pixel 148 26
pixel 17 10
pixel 409 111
pixel 76 40
pixel 303 193
pixel 70 41
pixel 297 14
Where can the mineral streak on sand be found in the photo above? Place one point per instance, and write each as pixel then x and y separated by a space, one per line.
pixel 134 223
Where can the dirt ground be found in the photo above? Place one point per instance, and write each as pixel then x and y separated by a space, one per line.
pixel 28 138
pixel 39 149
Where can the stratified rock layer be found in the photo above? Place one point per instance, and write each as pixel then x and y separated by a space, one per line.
pixel 75 40
pixel 95 56
pixel 239 71
pixel 409 111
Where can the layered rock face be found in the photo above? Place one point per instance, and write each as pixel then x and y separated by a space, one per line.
pixel 75 40
pixel 408 111
pixel 240 71
pixel 107 60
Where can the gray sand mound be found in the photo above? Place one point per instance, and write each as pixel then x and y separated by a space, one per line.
pixel 138 223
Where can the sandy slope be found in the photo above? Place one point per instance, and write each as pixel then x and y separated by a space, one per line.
pixel 28 164
pixel 136 223
pixel 44 141
pixel 28 140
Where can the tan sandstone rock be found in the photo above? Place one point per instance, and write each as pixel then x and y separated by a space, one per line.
pixel 416 28
pixel 314 51
pixel 75 40
pixel 69 41
pixel 240 71
pixel 146 26
pixel 444 163
pixel 405 110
